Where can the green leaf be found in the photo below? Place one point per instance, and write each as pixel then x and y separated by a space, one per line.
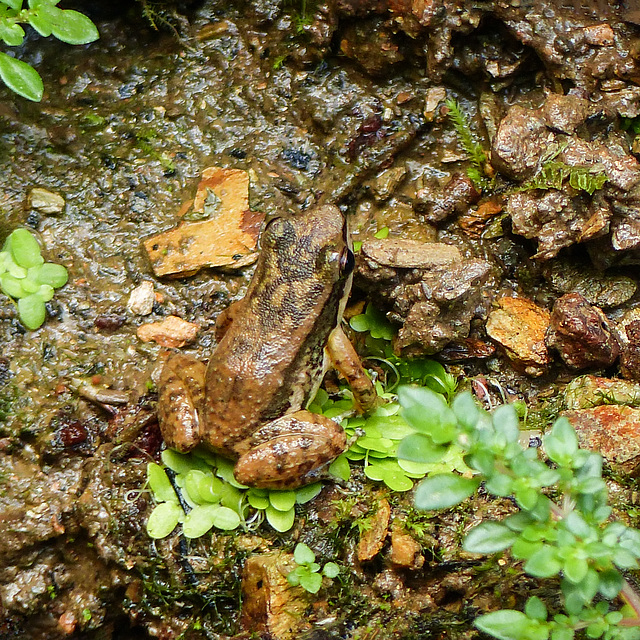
pixel 331 570
pixel 302 554
pixel 506 422
pixel 489 537
pixel 182 462
pixel 280 520
pixel 24 249
pixel 69 26
pixel 54 275
pixel 543 563
pixel 562 443
pixel 536 609
pixel 575 568
pixel 282 500
pixel 199 520
pixel 40 24
pixel 226 519
pixel 31 311
pixel 257 499
pixel 419 447
pixel 21 78
pixel 163 519
pixel 466 409
pixel 210 488
pixel 311 582
pixel 191 484
pixel 506 624
pixel 610 583
pixel 12 286
pixel 444 490
pixel 11 33
pixel 309 492
pixel 624 559
pixel 340 468
pixel 160 484
pixel 16 5
pixel 427 412
pixel 499 484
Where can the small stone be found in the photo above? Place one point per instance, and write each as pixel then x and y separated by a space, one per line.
pixel 372 539
pixel 519 327
pixel 45 201
pixel 386 182
pixel 613 431
pixel 581 334
pixel 171 332
pixel 586 392
pixel 434 96
pixel 405 551
pixel 141 299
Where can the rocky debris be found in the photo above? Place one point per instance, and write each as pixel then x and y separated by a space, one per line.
pixel 435 203
pixel 372 539
pixel 270 605
pixel 405 551
pixel 386 182
pixel 586 392
pixel 433 98
pixel 227 238
pixel 141 299
pixel 429 288
pixel 581 334
pixel 45 201
pixel 598 288
pixel 519 326
pixel 613 431
pixel 172 332
pixel 627 331
pixel 567 209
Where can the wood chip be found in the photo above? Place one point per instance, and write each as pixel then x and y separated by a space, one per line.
pixel 171 332
pixel 228 238
pixel 372 540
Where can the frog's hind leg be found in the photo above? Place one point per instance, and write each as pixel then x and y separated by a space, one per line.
pixel 180 397
pixel 291 451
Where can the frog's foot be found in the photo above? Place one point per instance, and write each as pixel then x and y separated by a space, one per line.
pixel 180 396
pixel 345 359
pixel 291 451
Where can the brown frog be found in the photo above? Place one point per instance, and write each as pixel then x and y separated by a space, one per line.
pixel 273 348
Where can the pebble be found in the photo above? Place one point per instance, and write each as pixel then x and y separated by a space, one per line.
pixel 141 299
pixel 45 201
pixel 171 332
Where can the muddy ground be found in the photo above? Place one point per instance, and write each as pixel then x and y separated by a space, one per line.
pixel 325 102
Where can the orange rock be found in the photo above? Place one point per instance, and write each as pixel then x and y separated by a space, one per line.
pixel 171 332
pixel 519 327
pixel 405 551
pixel 228 238
pixel 372 540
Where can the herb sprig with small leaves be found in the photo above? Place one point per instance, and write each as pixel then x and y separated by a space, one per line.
pixel 47 19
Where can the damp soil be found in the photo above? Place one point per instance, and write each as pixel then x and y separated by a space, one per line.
pixel 319 102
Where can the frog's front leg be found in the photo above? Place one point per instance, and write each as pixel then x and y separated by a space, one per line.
pixel 180 398
pixel 345 359
pixel 291 451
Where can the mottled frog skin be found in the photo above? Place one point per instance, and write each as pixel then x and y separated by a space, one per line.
pixel 248 403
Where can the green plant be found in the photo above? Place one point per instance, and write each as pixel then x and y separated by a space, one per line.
pixel 47 19
pixel 27 278
pixel 572 538
pixel 475 151
pixel 307 574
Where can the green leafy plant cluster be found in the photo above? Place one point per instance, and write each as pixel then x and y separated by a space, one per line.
pixel 571 538
pixel 213 497
pixel 307 574
pixel 27 278
pixel 47 19
pixel 473 148
pixel 553 173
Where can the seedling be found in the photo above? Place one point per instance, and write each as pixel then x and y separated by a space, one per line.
pixel 27 278
pixel 307 574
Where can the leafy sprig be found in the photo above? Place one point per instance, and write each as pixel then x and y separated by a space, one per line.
pixel 307 574
pixel 572 538
pixel 47 19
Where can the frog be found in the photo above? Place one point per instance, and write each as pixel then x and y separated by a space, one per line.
pixel 274 345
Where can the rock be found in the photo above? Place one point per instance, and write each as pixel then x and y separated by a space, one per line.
pixel 519 327
pixel 627 332
pixel 228 238
pixel 625 230
pixel 405 551
pixel 270 605
pixel 520 142
pixel 171 332
pixel 581 334
pixel 599 289
pixel 409 254
pixel 586 392
pixel 436 204
pixel 434 97
pixel 387 181
pixel 141 299
pixel 565 113
pixel 45 201
pixel 373 537
pixel 613 431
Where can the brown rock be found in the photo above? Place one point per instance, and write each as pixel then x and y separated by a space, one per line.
pixel 405 551
pixel 372 539
pixel 270 605
pixel 228 238
pixel 409 254
pixel 519 327
pixel 565 113
pixel 613 431
pixel 171 332
pixel 581 334
pixel 436 203
pixel 586 392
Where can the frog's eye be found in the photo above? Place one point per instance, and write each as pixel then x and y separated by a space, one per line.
pixel 347 261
